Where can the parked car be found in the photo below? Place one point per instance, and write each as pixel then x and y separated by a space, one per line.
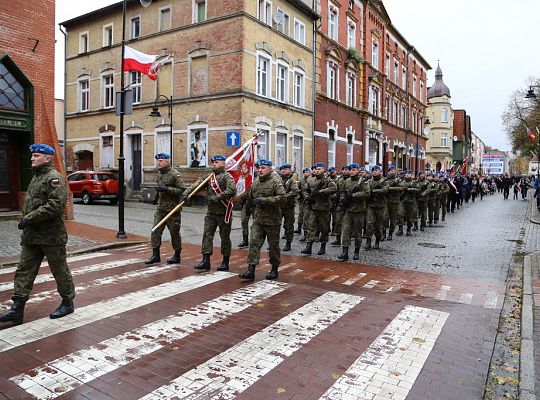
pixel 92 185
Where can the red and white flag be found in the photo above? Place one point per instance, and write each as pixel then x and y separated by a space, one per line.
pixel 530 135
pixel 146 64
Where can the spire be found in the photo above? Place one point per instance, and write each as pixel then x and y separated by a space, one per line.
pixel 439 88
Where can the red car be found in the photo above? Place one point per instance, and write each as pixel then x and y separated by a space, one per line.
pixel 91 185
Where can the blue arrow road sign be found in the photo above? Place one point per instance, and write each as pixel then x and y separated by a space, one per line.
pixel 233 138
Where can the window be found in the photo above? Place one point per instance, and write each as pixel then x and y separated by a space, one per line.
pixel 404 78
pixel 163 140
pixel 281 148
pixel 421 91
pixel 299 96
pixel 387 110
pixel 265 12
pixel 284 26
pixel 387 65
pixel 331 81
pixel 444 115
pixel 414 124
pixel 298 152
pixel 199 11
pixel 374 100
pixel 333 22
pixel 351 34
pixel 136 85
pixel 107 35
pixel 414 86
pixel 282 83
pixel 299 31
pixel 84 95
pixel 106 158
pixel 263 76
pixel 83 43
pixel 164 19
pixel 396 71
pixel 135 27
pixel 403 116
pixel 444 140
pixel 331 148
pixel 351 4
pixel 107 82
pixel 395 115
pixel 262 145
pixel 375 55
pixel 351 90
pixel 349 149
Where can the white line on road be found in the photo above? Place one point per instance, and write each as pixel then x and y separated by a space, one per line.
pixel 491 299
pixel 35 330
pixel 69 260
pixel 296 272
pixel 286 266
pixel 331 278
pixel 354 279
pixel 392 363
pixel 465 298
pixel 73 370
pixel 371 284
pixel 443 292
pixel 233 371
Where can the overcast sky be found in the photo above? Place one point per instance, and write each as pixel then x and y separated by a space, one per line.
pixel 487 49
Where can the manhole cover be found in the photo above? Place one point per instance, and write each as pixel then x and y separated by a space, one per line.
pixel 432 245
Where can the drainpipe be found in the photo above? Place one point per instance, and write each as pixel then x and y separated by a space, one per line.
pixel 313 86
pixel 65 99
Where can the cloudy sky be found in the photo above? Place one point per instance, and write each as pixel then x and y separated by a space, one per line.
pixel 487 49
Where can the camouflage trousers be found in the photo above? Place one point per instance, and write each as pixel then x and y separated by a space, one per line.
pixel 301 213
pixel 288 223
pixel 393 215
pixel 318 221
pixel 28 268
pixel 259 232
pixel 211 223
pixel 352 228
pixel 173 224
pixel 409 213
pixel 337 220
pixel 375 222
pixel 442 205
pixel 422 212
pixel 432 210
pixel 244 219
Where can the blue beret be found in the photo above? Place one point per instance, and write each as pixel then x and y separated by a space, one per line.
pixel 354 165
pixel 332 169
pixel 256 164
pixel 408 171
pixel 284 166
pixel 218 157
pixel 268 163
pixel 345 167
pixel 42 148
pixel 362 169
pixel 306 170
pixel 319 165
pixel 162 156
pixel 391 167
pixel 376 168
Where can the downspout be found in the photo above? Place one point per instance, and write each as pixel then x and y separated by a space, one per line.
pixel 313 86
pixel 65 99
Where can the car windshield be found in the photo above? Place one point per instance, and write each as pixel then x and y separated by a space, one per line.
pixel 103 177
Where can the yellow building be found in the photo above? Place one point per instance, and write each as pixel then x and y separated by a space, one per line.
pixel 238 66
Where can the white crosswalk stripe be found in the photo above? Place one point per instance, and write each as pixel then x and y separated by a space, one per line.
pixel 443 292
pixel 331 278
pixel 44 327
pixel 371 284
pixel 388 369
pixel 73 370
pixel 82 257
pixel 354 279
pixel 465 298
pixel 491 299
pixel 236 369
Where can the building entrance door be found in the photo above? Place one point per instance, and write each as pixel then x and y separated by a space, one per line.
pixel 137 162
pixel 9 177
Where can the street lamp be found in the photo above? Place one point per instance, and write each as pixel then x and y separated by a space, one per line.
pixel 530 93
pixel 426 132
pixel 155 113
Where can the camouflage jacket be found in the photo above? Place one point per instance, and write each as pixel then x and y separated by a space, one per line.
pixel 166 201
pixel 445 189
pixel 44 205
pixel 423 191
pixel 318 192
pixel 410 189
pixel 291 192
pixel 394 189
pixel 340 184
pixel 378 188
pixel 354 194
pixel 273 192
pixel 228 190
pixel 433 189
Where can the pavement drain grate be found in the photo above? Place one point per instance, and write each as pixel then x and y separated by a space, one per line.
pixel 432 245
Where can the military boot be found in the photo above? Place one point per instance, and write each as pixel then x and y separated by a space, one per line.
pixel 287 246
pixel 249 275
pixel 430 223
pixel 307 250
pixel 303 238
pixel 400 231
pixel 442 219
pixel 273 274
pixel 390 232
pixel 367 246
pixel 337 241
pixel 356 254
pixel 344 254
pixel 224 264
pixel 383 235
pixel 415 226
pixel 322 249
pixel 422 227
pixel 299 229
pixel 65 308
pixel 244 243
pixel 155 257
pixel 376 245
pixel 174 259
pixel 15 314
pixel 409 231
pixel 435 221
pixel 204 265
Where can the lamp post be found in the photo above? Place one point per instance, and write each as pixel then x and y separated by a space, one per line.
pixel 426 132
pixel 532 96
pixel 155 113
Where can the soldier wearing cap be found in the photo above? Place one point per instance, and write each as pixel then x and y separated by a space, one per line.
pixel 306 173
pixel 319 190
pixel 245 215
pixel 221 188
pixel 266 197
pixel 289 203
pixel 393 200
pixel 169 190
pixel 443 195
pixel 409 189
pixel 43 235
pixel 433 188
pixel 337 218
pixel 422 199
pixel 376 203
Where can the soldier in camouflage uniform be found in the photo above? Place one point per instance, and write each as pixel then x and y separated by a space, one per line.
pixel 393 200
pixel 169 190
pixel 422 199
pixel 433 188
pixel 44 235
pixel 303 209
pixel 220 188
pixel 353 202
pixel 319 190
pixel 334 200
pixel 378 189
pixel 340 183
pixel 443 199
pixel 409 189
pixel 289 203
pixel 266 197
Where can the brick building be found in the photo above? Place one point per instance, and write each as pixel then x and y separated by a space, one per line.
pixel 26 93
pixel 462 139
pixel 371 91
pixel 236 66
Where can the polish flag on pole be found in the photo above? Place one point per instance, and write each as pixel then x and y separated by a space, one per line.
pixel 530 135
pixel 146 64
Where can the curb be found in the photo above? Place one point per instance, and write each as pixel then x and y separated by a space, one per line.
pixel 527 369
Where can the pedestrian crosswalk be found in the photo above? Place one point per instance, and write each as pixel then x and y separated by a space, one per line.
pixel 123 305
